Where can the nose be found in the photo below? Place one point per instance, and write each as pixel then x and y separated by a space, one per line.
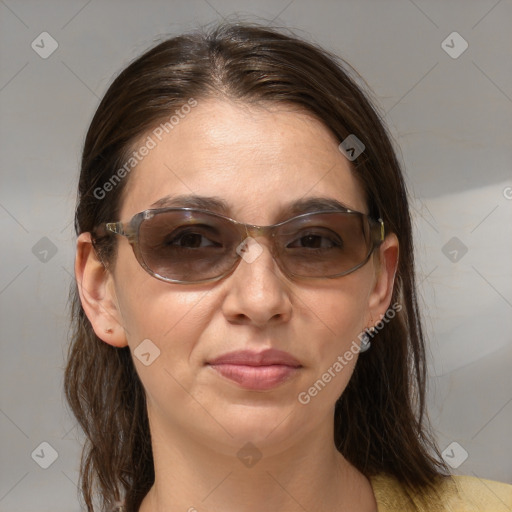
pixel 257 291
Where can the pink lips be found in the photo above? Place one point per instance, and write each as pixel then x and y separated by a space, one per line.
pixel 256 370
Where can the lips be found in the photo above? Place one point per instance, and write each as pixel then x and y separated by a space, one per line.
pixel 249 358
pixel 256 370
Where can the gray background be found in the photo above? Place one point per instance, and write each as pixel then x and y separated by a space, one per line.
pixel 450 117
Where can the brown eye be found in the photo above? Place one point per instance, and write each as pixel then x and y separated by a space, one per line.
pixel 316 241
pixel 191 239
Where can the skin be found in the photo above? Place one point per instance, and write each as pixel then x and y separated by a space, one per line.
pixel 256 159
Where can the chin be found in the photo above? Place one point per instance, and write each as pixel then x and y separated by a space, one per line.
pixel 264 426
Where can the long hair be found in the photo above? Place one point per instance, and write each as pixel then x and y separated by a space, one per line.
pixel 380 422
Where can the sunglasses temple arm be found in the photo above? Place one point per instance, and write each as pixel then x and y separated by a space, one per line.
pixel 115 227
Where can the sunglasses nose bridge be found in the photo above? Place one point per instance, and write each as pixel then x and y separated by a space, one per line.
pixel 248 231
pixel 254 231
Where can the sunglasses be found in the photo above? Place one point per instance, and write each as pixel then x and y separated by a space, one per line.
pixel 187 245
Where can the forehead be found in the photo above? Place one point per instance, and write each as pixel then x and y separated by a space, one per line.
pixel 254 159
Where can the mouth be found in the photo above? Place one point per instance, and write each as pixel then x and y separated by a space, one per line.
pixel 256 370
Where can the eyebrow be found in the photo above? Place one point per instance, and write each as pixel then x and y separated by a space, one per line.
pixel 219 205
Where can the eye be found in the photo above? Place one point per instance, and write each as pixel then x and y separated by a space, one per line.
pixel 316 240
pixel 189 239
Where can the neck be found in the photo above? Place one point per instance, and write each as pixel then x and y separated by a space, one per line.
pixel 192 476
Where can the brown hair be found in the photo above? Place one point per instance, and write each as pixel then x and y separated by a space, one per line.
pixel 380 420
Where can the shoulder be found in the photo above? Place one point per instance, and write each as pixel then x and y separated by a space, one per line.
pixel 484 495
pixel 453 494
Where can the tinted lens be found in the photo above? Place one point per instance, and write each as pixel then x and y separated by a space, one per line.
pixel 323 245
pixel 188 246
pixel 193 246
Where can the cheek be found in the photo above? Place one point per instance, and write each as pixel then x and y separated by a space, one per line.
pixel 161 319
pixel 151 308
pixel 163 328
pixel 171 319
pixel 336 318
pixel 337 313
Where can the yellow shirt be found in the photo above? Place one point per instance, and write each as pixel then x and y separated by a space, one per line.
pixel 458 494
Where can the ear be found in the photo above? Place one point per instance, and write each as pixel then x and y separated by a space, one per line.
pixel 97 294
pixel 382 291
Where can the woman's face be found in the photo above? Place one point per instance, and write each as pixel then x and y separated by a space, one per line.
pixel 258 161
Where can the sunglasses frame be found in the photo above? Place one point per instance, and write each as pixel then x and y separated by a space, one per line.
pixel 130 230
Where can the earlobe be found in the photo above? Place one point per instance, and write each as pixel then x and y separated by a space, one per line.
pixel 97 294
pixel 382 292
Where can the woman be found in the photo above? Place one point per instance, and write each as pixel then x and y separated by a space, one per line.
pixel 217 365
